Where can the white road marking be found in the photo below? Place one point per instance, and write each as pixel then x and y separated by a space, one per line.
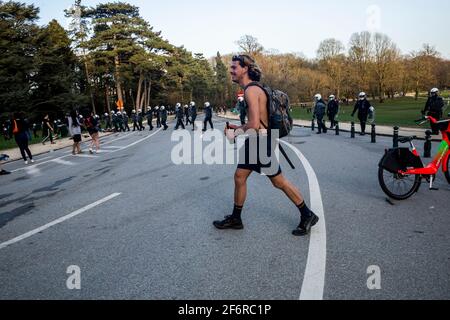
pixel 57 221
pixel 85 156
pixel 63 162
pixel 314 280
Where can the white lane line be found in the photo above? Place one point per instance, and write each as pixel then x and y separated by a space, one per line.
pixel 314 280
pixel 139 141
pixel 63 162
pixel 112 147
pixel 58 221
pixel 84 156
pixel 39 164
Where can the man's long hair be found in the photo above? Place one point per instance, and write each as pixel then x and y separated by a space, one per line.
pixel 254 71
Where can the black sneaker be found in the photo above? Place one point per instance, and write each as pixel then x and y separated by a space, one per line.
pixel 4 173
pixel 305 226
pixel 229 223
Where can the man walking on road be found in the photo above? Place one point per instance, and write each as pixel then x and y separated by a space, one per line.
pixel 247 74
pixel 19 130
pixel 208 117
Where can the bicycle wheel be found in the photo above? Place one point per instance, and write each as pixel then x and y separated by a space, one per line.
pixel 397 186
pixel 447 173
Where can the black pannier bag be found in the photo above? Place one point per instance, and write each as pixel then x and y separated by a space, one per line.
pixel 400 159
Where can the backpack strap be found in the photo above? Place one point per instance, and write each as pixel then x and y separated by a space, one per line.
pixel 259 85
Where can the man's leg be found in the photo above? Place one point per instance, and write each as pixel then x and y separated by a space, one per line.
pixel 234 221
pixel 308 218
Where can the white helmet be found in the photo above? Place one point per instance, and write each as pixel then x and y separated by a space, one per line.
pixel 362 96
pixel 106 114
pixel 81 117
pixel 157 108
pixel 133 111
pixel 119 113
pixel 139 111
pixel 318 97
pixel 163 108
pixel 207 104
pixel 124 113
pixel 192 104
pixel 178 105
pixel 332 97
pixel 186 106
pixel 241 99
pixel 434 91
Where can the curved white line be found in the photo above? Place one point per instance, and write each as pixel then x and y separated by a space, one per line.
pixel 314 280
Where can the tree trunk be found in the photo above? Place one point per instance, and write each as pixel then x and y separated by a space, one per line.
pixel 149 93
pixel 89 87
pixel 139 91
pixel 108 107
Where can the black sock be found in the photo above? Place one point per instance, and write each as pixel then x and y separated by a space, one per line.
pixel 304 210
pixel 237 211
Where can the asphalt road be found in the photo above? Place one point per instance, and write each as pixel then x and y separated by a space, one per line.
pixel 151 234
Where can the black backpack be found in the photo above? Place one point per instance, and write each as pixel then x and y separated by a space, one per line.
pixel 278 109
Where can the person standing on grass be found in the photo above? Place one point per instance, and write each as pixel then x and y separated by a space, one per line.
pixel 19 130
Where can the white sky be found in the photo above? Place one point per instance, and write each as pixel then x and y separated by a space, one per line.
pixel 285 25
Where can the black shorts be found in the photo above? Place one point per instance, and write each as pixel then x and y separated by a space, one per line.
pixel 77 138
pixel 252 156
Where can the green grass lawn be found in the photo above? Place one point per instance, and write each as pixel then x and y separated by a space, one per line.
pixel 398 112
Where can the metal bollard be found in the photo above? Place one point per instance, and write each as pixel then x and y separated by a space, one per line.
pixel 352 131
pixel 337 128
pixel 374 134
pixel 396 136
pixel 427 148
pixel 313 125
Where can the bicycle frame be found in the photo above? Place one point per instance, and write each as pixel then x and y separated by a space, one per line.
pixel 441 157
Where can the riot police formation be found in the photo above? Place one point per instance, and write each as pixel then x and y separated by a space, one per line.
pixel 140 117
pixel 434 108
pixel 332 110
pixel 149 116
pixel 163 113
pixel 319 113
pixel 193 113
pixel 115 121
pixel 125 122
pixel 158 117
pixel 134 118
pixel 180 116
pixel 107 120
pixel 363 108
pixel 208 117
pixel 120 121
pixel 186 115
pixel 242 109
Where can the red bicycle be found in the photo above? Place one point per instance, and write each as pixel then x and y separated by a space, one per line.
pixel 401 170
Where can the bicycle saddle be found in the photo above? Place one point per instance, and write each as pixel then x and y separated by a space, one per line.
pixel 407 139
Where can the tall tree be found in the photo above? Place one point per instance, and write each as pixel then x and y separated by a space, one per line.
pixel 386 56
pixel 331 56
pixel 250 45
pixel 360 55
pixel 18 31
